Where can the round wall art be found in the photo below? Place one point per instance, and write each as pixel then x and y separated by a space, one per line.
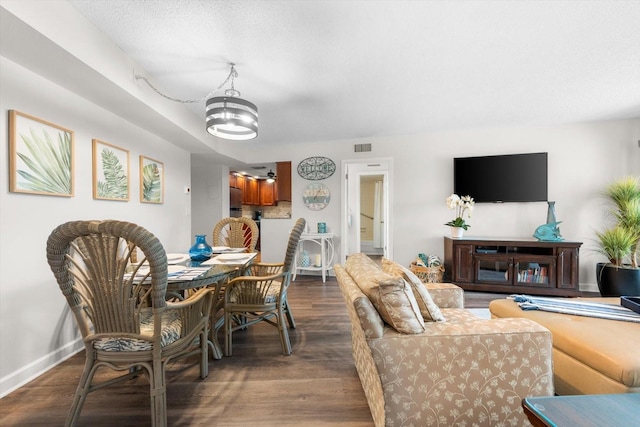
pixel 316 196
pixel 316 168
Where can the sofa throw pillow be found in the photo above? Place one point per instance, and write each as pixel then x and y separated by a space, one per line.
pixel 428 308
pixel 397 305
pixel 391 296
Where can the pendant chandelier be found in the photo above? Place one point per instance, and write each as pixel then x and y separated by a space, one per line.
pixel 228 116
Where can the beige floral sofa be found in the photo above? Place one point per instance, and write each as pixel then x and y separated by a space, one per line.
pixel 423 360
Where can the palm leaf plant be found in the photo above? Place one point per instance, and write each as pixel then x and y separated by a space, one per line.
pixel 625 195
pixel 615 244
pixel 620 242
pixel 48 163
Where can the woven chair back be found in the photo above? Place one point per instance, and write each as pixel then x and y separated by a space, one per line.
pixel 92 263
pixel 236 233
pixel 292 245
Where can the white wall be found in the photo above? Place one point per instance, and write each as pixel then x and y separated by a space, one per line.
pixel 583 159
pixel 210 201
pixel 36 329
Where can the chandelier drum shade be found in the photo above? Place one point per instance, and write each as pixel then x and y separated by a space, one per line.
pixel 228 116
pixel 231 117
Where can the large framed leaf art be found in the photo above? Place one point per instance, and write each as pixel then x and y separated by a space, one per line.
pixel 151 180
pixel 40 156
pixel 110 172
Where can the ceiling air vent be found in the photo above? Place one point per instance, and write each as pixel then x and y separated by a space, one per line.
pixel 362 148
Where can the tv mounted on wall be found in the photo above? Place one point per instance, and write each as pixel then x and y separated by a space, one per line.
pixel 506 178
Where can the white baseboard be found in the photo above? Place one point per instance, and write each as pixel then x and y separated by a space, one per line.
pixel 17 379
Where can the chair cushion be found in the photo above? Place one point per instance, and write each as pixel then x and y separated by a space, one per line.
pixel 391 296
pixel 428 308
pixel 171 326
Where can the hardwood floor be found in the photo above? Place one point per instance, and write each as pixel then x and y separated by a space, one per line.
pixel 316 386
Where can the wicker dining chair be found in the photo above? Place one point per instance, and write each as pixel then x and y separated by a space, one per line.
pixel 126 325
pixel 261 295
pixel 238 232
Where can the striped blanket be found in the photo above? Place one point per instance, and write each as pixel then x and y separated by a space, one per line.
pixel 576 307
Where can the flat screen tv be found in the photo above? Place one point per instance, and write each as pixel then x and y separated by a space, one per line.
pixel 506 178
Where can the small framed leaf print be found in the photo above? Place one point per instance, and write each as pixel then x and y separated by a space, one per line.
pixel 151 180
pixel 110 172
pixel 40 156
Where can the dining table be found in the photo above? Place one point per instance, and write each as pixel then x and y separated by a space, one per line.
pixel 186 276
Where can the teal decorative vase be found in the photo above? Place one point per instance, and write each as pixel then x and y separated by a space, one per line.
pixel 200 251
pixel 551 212
pixel 304 259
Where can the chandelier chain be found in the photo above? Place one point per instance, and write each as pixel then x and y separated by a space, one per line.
pixel 232 75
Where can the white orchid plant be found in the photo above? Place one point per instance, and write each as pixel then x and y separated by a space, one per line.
pixel 461 205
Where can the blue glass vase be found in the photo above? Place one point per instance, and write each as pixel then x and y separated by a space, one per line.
pixel 200 251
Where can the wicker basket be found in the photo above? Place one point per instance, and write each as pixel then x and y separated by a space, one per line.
pixel 428 274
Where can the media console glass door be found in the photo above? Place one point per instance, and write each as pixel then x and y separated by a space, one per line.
pixel 529 270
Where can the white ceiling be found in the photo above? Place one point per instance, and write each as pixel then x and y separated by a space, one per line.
pixel 330 70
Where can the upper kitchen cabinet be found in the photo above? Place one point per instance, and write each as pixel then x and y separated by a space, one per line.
pixel 267 193
pixel 240 183
pixel 251 194
pixel 283 181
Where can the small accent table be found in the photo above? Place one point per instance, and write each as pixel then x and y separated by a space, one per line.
pixel 324 254
pixel 592 410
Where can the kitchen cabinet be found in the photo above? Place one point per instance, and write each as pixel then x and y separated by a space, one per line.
pixel 513 266
pixel 267 193
pixel 240 182
pixel 283 174
pixel 251 195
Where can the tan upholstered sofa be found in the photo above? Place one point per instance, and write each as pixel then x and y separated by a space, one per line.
pixel 460 371
pixel 590 356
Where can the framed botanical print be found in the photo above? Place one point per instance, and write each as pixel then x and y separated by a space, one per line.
pixel 110 172
pixel 151 180
pixel 40 156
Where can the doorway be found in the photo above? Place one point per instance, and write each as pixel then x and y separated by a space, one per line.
pixel 366 215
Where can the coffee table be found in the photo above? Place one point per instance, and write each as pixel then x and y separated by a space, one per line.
pixel 596 410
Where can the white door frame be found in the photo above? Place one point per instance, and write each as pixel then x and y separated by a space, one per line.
pixel 352 170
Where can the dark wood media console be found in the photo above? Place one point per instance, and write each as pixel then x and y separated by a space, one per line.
pixel 525 266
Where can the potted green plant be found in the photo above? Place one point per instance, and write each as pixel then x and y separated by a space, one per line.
pixel 620 243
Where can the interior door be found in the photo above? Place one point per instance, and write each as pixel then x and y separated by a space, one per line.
pixel 372 215
pixel 353 171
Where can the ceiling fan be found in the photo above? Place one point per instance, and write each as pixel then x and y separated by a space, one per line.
pixel 269 177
